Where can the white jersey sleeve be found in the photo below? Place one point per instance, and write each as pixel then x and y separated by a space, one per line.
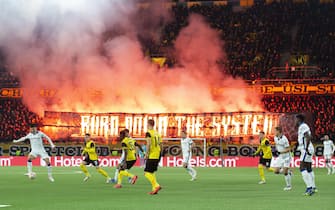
pixel 43 135
pixel 22 138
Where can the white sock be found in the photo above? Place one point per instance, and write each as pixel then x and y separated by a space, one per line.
pixel 30 167
pixel 49 171
pixel 328 166
pixel 312 178
pixel 116 174
pixel 288 180
pixel 331 165
pixel 191 171
pixel 307 178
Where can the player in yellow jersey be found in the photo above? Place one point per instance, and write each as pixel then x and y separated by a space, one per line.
pixel 129 149
pixel 265 152
pixel 152 156
pixel 91 157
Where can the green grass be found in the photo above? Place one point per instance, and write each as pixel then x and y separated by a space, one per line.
pixel 216 188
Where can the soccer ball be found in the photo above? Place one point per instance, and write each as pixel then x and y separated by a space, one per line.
pixel 32 175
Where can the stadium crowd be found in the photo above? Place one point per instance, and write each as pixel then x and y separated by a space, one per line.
pixel 256 39
pixel 15 119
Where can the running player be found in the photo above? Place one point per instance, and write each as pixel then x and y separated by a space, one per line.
pixel 117 169
pixel 129 149
pixel 328 152
pixel 37 149
pixel 186 146
pixel 284 159
pixel 91 157
pixel 265 151
pixel 152 156
pixel 306 149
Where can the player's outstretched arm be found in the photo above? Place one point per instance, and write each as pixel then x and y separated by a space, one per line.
pixel 20 139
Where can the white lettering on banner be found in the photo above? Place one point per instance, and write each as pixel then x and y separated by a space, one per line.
pixel 233 124
pixel 67 161
pixel 316 162
pixel 171 161
pixel 75 161
pixel 5 162
pixel 200 162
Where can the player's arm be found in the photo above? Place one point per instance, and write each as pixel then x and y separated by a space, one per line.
pixel 139 147
pixel 48 139
pixel 308 138
pixel 148 137
pixel 258 150
pixel 21 139
pixel 125 153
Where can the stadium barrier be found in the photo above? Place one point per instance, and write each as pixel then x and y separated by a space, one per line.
pixel 171 161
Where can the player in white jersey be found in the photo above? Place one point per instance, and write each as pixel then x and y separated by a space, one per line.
pixel 186 146
pixel 328 152
pixel 37 149
pixel 306 149
pixel 282 163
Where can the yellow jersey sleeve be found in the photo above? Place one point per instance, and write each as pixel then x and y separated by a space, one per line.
pixel 155 144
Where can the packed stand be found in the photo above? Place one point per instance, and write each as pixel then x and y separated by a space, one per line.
pixel 322 107
pixel 255 39
pixel 15 119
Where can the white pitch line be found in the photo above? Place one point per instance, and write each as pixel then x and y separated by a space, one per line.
pixel 73 172
pixel 3 206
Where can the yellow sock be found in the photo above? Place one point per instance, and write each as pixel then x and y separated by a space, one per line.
pixel 271 169
pixel 152 179
pixel 123 173
pixel 261 172
pixel 119 177
pixel 103 172
pixel 84 169
pixel 126 173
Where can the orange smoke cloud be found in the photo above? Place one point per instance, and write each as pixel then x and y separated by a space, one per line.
pixel 64 50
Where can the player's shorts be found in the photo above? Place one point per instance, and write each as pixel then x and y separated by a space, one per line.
pixel 265 162
pixel 327 156
pixel 130 164
pixel 151 165
pixel 282 161
pixel 304 157
pixel 306 166
pixel 89 161
pixel 39 153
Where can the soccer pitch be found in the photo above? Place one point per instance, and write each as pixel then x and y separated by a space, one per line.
pixel 216 188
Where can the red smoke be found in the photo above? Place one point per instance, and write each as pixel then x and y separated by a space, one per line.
pixel 64 50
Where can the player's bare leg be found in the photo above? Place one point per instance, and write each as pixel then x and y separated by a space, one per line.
pixel 47 161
